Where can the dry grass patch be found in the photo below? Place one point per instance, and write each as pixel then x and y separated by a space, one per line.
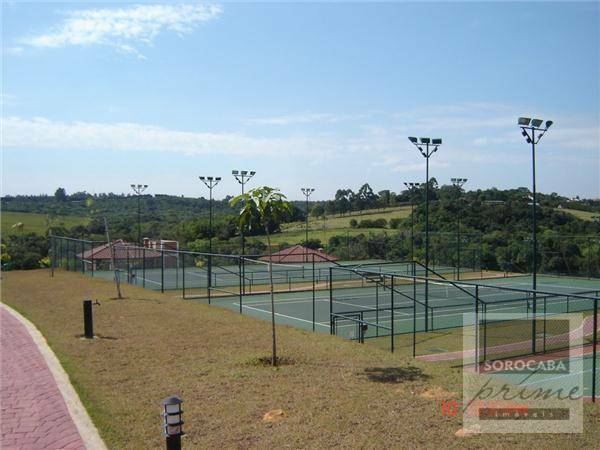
pixel 156 345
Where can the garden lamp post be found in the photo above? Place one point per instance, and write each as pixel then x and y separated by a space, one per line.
pixel 307 192
pixel 172 422
pixel 458 183
pixel 139 189
pixel 427 147
pixel 532 131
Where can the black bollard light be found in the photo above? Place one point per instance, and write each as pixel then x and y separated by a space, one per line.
pixel 88 320
pixel 173 422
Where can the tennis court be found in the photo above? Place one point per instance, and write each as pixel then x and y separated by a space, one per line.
pixel 447 303
pixel 227 274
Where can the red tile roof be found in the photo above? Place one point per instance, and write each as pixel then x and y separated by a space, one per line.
pixel 298 253
pixel 122 250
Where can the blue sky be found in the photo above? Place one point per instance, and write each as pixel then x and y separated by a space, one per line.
pixel 96 96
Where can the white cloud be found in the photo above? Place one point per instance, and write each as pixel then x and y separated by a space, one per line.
pixel 44 134
pixel 122 27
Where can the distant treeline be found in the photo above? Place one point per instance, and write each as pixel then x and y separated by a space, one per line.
pixel 502 219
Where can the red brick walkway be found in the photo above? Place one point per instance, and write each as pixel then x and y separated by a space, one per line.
pixel 33 414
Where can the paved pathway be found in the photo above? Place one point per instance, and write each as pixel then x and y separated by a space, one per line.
pixel 33 413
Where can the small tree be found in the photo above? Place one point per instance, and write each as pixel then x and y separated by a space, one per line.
pixel 267 206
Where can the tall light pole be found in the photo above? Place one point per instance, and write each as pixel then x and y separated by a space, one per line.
pixel 528 130
pixel 242 177
pixel 307 192
pixel 458 183
pixel 411 186
pixel 529 127
pixel 139 189
pixel 210 183
pixel 427 147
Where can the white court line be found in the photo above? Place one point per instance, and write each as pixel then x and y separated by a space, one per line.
pixel 278 314
pixel 555 377
pixel 146 280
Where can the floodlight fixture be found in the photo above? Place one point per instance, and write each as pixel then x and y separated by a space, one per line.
pixel 536 123
pixel 425 140
pixel 458 182
pixel 524 121
pixel 412 139
pixel 437 141
pixel 548 124
pixel 234 172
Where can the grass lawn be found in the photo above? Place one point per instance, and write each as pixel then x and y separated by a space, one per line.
pixel 336 393
pixel 36 223
pixel 585 215
pixel 337 226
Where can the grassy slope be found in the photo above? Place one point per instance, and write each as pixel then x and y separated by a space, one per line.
pixel 155 345
pixel 585 215
pixel 35 223
pixel 332 226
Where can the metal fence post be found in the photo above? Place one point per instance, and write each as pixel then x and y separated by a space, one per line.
pixel 484 331
pixel 392 301
pixel 183 275
pixel 240 264
pixel 162 270
pixel 92 257
pixel 595 352
pixel 313 291
pixel 144 267
pixel 330 301
pixel 377 308
pixel 52 257
pixel 209 279
pixel 82 258
pixel 477 328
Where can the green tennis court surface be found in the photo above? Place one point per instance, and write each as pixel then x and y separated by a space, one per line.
pixel 229 276
pixel 448 304
pixel 580 373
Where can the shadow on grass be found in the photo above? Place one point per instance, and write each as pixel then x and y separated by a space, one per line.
pixel 394 374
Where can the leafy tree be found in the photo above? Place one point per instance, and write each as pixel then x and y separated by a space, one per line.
pixel 268 206
pixel 60 195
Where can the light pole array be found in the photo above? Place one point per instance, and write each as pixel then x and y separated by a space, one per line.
pixel 427 147
pixel 307 192
pixel 458 183
pixel 210 183
pixel 529 127
pixel 411 187
pixel 242 177
pixel 139 189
